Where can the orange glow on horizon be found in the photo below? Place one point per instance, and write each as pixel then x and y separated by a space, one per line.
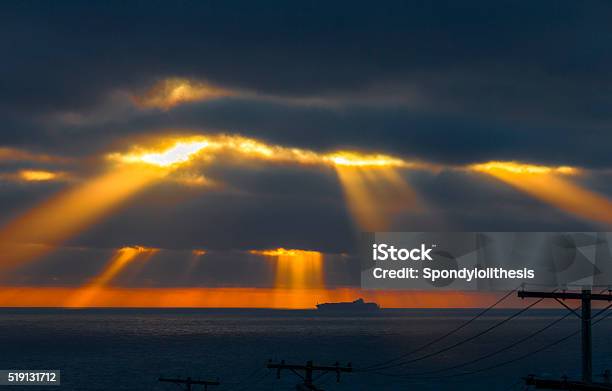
pixel 551 185
pixel 241 297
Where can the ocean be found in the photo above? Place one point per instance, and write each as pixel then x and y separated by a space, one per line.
pixel 129 349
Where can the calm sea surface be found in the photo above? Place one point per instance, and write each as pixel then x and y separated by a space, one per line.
pixel 114 349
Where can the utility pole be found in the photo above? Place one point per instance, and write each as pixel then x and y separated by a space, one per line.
pixel 586 297
pixel 308 370
pixel 189 382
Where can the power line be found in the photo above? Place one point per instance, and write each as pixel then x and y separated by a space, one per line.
pixel 533 351
pixel 602 310
pixel 503 363
pixel 586 296
pixel 383 365
pixel 479 334
pixel 507 347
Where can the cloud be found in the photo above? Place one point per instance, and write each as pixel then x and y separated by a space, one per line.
pixel 171 92
pixel 9 154
pixel 445 83
pixel 436 81
pixel 34 176
pixel 438 56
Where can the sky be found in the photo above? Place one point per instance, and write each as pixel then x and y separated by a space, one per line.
pixel 230 153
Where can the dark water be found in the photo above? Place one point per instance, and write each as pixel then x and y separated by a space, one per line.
pixel 130 349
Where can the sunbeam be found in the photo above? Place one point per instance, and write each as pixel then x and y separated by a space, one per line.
pixel 554 186
pixel 67 213
pixel 296 269
pixel 121 258
pixel 299 272
pixel 375 194
pixel 373 188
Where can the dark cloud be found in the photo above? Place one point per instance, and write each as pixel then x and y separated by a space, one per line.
pixel 442 81
pixel 474 80
pixel 425 136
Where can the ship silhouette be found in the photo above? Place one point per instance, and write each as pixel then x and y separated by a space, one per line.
pixel 358 305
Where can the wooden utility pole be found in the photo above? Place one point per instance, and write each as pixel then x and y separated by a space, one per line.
pixel 189 382
pixel 308 370
pixel 586 297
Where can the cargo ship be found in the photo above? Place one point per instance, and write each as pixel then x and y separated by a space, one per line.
pixel 358 305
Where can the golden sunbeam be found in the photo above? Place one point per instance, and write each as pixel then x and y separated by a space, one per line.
pixel 296 269
pixel 64 215
pixel 373 187
pixel 194 261
pixel 68 213
pixel 116 264
pixel 54 221
pixel 375 195
pixel 552 185
pixel 361 200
